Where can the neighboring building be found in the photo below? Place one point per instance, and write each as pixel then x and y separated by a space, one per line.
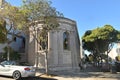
pixel 17 45
pixel 118 49
pixel 115 52
pixel 63 47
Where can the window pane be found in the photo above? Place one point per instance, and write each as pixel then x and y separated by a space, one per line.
pixel 66 40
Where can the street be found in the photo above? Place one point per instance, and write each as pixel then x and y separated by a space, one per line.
pixel 73 76
pixel 90 73
pixel 5 78
pixel 29 78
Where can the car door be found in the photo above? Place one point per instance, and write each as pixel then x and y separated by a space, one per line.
pixel 1 68
pixel 4 69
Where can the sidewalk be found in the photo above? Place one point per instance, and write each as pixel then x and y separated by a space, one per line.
pixel 80 75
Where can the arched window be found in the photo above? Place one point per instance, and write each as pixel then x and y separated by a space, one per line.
pixel 66 40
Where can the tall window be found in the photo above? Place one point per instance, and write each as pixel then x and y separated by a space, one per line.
pixel 66 41
pixel 41 39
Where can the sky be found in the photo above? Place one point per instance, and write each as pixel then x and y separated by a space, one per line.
pixel 88 14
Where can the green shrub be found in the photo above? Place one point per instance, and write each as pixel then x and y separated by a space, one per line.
pixel 13 54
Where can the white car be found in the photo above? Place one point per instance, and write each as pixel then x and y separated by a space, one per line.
pixel 11 68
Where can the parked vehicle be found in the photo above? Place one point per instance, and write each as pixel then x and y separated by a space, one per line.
pixel 13 69
pixel 117 66
pixel 105 67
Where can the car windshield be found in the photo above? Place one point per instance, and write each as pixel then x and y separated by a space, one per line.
pixel 8 63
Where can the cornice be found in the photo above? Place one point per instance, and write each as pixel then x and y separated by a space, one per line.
pixel 68 21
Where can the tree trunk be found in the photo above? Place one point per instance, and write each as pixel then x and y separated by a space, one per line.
pixel 8 52
pixel 46 63
pixel 46 56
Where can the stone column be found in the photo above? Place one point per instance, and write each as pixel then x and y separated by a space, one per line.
pixel 49 41
pixel 55 48
pixel 50 49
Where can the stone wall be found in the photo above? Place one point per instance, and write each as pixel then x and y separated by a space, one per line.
pixel 58 58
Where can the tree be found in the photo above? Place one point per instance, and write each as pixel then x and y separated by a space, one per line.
pixel 13 54
pixel 100 40
pixel 3 31
pixel 117 58
pixel 39 10
pixel 90 56
pixel 36 11
pixel 28 15
pixel 12 17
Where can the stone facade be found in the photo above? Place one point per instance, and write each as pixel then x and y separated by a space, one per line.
pixel 58 57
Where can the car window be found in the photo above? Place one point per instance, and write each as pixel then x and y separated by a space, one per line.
pixel 8 63
pixel 5 63
pixel 12 63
